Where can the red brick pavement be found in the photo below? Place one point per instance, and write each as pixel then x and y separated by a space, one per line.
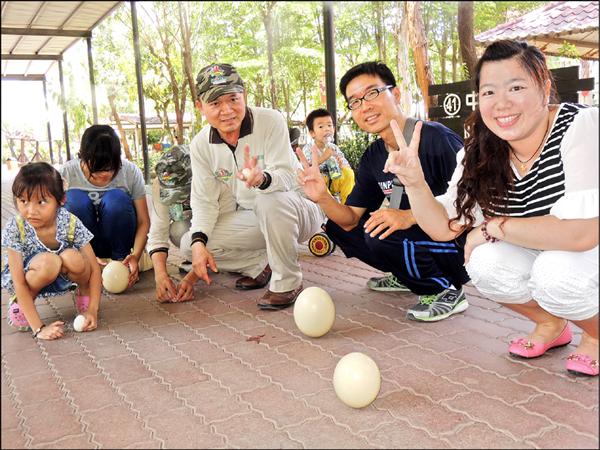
pixel 185 375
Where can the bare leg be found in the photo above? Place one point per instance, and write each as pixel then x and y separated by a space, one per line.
pixel 77 268
pixel 43 270
pixel 547 326
pixel 589 338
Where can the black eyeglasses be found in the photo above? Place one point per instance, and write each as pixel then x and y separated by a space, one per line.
pixel 370 95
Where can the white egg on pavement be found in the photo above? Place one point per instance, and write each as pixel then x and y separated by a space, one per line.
pixel 314 311
pixel 356 380
pixel 115 277
pixel 79 322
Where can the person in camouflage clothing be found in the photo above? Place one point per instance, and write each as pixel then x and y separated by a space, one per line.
pixel 171 221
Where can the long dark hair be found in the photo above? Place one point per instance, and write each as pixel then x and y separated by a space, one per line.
pixel 101 149
pixel 38 177
pixel 487 176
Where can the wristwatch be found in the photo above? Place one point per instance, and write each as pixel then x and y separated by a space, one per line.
pixel 36 332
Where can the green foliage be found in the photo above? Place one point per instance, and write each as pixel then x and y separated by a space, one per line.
pixel 568 50
pixel 235 32
pixel 154 136
pixel 153 157
pixel 354 146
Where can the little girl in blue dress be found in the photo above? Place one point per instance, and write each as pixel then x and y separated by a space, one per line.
pixel 48 253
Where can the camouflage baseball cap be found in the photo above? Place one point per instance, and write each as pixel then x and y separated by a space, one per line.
pixel 215 80
pixel 174 173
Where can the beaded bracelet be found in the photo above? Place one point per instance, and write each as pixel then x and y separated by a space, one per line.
pixel 485 233
pixel 36 332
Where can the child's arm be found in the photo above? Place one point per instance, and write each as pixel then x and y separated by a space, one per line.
pixel 341 159
pixel 325 155
pixel 25 299
pixel 91 314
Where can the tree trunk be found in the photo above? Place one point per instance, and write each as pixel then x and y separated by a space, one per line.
pixel 379 30
pixel 267 17
pixel 418 42
pixel 186 53
pixel 443 48
pixel 115 114
pixel 304 92
pixel 286 96
pixel 179 92
pixel 454 61
pixel 403 62
pixel 465 37
pixel 167 123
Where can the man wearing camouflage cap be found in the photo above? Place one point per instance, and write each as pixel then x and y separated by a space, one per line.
pixel 170 197
pixel 248 210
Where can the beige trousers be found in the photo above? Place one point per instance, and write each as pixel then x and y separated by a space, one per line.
pixel 246 240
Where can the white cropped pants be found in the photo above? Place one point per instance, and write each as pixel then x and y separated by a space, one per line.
pixel 563 283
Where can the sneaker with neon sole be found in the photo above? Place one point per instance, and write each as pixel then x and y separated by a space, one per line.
pixel 432 308
pixel 388 283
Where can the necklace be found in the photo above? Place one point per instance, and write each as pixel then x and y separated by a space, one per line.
pixel 523 164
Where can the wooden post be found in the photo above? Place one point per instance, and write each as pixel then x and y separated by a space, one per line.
pixel 22 156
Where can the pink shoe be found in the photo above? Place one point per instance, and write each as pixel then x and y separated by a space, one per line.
pixel 580 364
pixel 15 317
pixel 82 302
pixel 529 349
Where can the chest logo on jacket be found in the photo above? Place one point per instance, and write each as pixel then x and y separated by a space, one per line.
pixel 223 175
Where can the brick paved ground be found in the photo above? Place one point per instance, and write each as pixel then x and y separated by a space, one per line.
pixel 186 376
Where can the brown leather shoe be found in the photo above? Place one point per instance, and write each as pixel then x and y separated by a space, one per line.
pixel 278 300
pixel 261 280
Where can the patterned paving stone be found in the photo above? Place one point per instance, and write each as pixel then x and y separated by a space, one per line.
pixel 279 406
pixel 12 438
pixel 565 413
pixel 562 437
pixel 294 378
pixel 181 429
pixel 77 441
pixel 419 412
pixel 423 382
pixel 211 401
pixel 513 419
pixel 152 349
pixel 9 414
pixel 401 435
pixel 178 372
pixel 92 393
pixel 123 369
pixel 485 436
pixel 251 430
pixel 324 433
pixel 36 388
pixel 217 372
pixel 50 421
pixel 235 376
pixel 358 420
pixel 116 427
pixel 150 397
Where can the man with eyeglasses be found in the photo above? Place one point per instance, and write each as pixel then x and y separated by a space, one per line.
pixel 376 225
pixel 248 212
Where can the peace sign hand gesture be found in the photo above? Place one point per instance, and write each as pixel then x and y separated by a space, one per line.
pixel 251 174
pixel 309 177
pixel 404 162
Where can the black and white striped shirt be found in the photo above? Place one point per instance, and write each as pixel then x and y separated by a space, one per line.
pixel 567 163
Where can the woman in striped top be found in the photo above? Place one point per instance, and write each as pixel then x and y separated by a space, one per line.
pixel 526 190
